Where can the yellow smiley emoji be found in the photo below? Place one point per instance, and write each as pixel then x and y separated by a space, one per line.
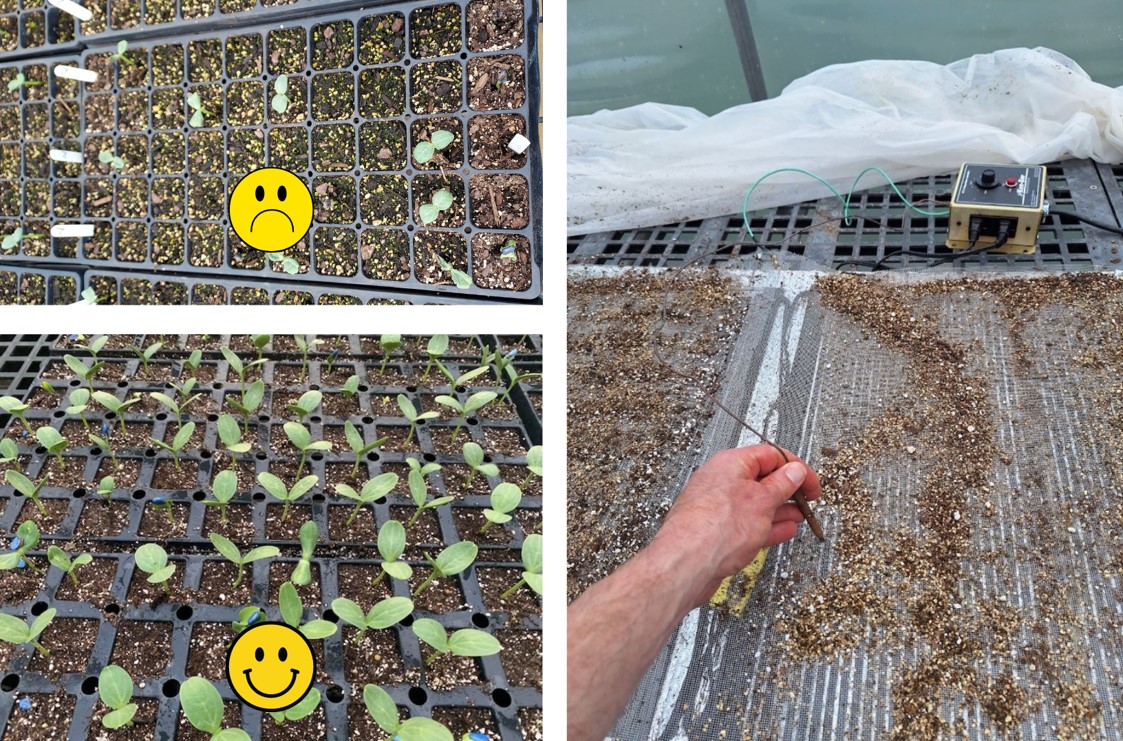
pixel 271 209
pixel 270 666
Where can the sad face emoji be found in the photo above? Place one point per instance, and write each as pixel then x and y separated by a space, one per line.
pixel 270 666
pixel 271 209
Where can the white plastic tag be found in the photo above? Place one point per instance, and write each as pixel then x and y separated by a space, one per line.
pixel 65 155
pixel 76 73
pixel 518 144
pixel 72 230
pixel 76 10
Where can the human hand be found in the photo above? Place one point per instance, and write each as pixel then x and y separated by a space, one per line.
pixel 734 505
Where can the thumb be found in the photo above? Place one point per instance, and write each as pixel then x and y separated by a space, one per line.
pixel 782 483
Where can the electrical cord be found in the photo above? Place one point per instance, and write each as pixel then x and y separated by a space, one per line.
pixel 973 229
pixel 973 237
pixel 1092 222
pixel 845 200
pixel 1003 237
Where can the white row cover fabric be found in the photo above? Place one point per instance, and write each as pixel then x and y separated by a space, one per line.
pixel 657 164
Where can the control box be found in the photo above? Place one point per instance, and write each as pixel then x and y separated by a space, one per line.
pixel 991 194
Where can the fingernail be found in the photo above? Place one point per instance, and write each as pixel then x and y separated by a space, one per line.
pixel 796 472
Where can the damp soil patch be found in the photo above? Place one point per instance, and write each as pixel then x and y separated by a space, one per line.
pixel 73 641
pixel 143 648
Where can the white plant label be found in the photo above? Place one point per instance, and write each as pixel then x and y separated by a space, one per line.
pixel 518 144
pixel 64 155
pixel 76 73
pixel 76 10
pixel 72 230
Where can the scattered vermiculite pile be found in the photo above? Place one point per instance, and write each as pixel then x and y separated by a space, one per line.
pixel 910 586
pixel 627 436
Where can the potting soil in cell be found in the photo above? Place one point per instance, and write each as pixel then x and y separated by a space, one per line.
pixel 967 436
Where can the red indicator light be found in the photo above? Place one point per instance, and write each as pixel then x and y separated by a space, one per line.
pixel 1011 182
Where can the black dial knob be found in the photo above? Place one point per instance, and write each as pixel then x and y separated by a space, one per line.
pixel 987 179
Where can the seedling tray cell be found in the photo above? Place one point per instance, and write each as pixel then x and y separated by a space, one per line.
pixel 196 618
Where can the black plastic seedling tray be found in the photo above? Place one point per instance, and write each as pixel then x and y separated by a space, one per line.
pixel 25 285
pixel 357 111
pixel 508 702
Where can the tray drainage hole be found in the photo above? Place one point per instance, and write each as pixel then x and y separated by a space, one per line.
pixel 260 456
pixel 9 682
pixel 206 454
pixel 89 685
pixel 122 384
pixel 314 387
pixel 171 688
pixel 58 414
pixel 113 608
pixel 330 616
pixel 315 419
pixel 161 416
pixel 75 382
pixel 139 494
pixel 79 493
pixel 217 386
pixel 183 613
pixel 480 620
pixel 418 696
pixel 473 421
pixel 411 389
pixel 380 500
pixel 259 497
pixel 262 418
pixel 407 620
pixel 372 456
pixel 487 458
pixel 212 417
pixel 149 453
pixel 429 457
pixel 40 450
pixel 368 420
pixel 317 497
pixel 335 693
pixel 199 495
pixel 362 389
pixel 317 456
pixel 38 608
pixel 501 697
pixel 95 451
